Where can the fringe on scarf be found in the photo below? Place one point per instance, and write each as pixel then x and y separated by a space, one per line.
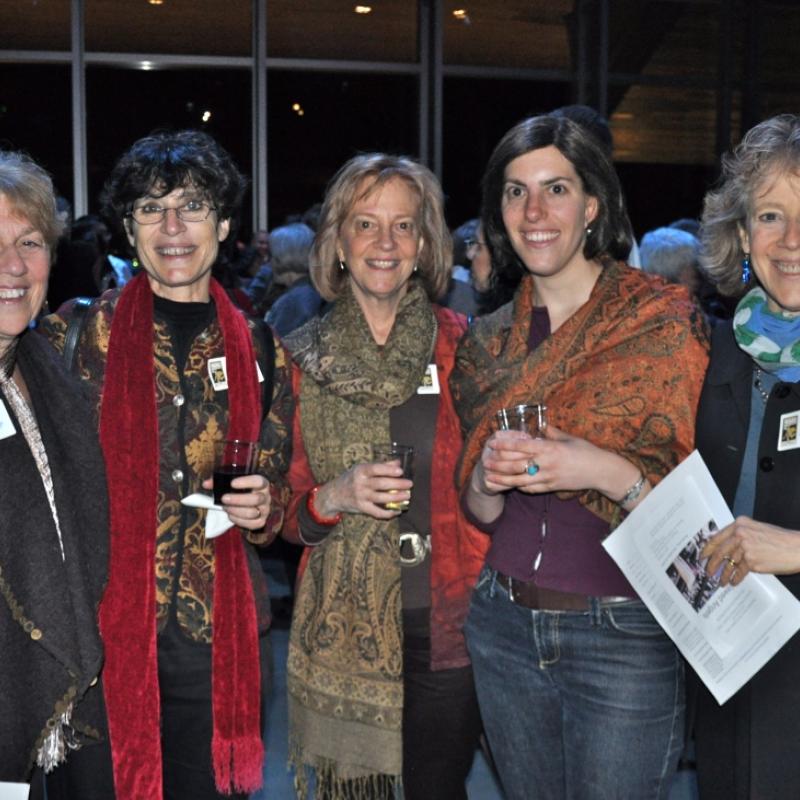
pixel 328 785
pixel 58 742
pixel 237 764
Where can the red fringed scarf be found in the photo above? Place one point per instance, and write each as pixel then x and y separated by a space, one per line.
pixel 129 437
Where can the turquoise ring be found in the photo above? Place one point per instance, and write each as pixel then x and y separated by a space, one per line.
pixel 532 468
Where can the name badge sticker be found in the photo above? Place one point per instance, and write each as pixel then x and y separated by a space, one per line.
pixel 6 425
pixel 787 431
pixel 218 373
pixel 430 381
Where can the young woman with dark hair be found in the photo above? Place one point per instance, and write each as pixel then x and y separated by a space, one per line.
pixel 581 692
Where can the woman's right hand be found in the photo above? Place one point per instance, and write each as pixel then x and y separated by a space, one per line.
pixel 364 489
pixel 497 471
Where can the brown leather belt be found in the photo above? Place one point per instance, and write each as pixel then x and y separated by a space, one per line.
pixel 528 595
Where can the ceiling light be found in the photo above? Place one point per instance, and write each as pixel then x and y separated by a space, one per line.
pixel 363 9
pixel 295 106
pixel 146 65
pixel 206 116
pixel 460 13
pixel 156 2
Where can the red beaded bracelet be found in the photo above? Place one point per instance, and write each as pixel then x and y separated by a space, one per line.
pixel 315 515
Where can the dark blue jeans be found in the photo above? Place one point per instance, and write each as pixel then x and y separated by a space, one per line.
pixel 576 705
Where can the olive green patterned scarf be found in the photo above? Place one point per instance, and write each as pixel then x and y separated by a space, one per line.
pixel 345 651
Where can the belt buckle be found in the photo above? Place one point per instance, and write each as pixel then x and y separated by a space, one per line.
pixel 420 547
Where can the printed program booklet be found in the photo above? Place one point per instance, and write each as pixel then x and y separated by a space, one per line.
pixel 726 633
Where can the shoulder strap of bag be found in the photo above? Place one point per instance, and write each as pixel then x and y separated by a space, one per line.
pixel 75 326
pixel 264 333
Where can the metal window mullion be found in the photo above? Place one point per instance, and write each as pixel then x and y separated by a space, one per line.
pixel 602 60
pixel 80 190
pixel 259 122
pixel 423 58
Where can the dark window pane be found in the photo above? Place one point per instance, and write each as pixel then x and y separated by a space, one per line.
pixel 515 33
pixel 343 114
pixel 35 116
pixel 185 27
pixel 477 112
pixel 35 25
pixel 124 104
pixel 332 29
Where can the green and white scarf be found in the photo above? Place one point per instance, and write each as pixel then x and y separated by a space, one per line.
pixel 771 338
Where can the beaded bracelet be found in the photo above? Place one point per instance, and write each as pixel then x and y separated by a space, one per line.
pixel 633 492
pixel 315 515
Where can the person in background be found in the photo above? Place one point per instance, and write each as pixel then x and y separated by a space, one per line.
pixel 380 684
pixel 674 255
pixel 598 126
pixel 300 301
pixel 53 519
pixel 750 401
pixel 260 286
pixel 581 691
pixel 173 367
pixel 460 296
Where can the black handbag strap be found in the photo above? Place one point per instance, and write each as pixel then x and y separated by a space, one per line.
pixel 75 326
pixel 264 333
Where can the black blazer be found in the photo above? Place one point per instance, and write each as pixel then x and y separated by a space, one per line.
pixel 749 747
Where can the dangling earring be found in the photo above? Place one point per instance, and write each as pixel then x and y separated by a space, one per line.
pixel 588 231
pixel 416 266
pixel 746 268
pixel 135 264
pixel 341 265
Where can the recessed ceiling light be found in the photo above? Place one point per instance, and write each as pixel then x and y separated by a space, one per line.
pixel 156 2
pixel 206 116
pixel 295 106
pixel 363 9
pixel 462 15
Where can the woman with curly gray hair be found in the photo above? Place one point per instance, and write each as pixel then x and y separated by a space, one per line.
pixel 747 431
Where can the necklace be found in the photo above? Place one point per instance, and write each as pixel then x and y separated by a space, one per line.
pixel 757 383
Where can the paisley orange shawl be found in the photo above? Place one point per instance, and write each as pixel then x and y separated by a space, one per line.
pixel 624 372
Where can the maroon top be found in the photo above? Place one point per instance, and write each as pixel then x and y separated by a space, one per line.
pixel 569 556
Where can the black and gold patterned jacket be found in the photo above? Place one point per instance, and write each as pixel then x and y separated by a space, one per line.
pixel 192 416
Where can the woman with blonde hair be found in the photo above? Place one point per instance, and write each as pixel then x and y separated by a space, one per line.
pixel 380 687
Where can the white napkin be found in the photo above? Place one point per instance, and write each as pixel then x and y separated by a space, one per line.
pixel 217 520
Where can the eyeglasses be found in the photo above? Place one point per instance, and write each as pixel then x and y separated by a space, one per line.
pixel 153 213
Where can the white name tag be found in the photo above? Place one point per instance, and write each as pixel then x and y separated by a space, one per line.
pixel 787 431
pixel 14 791
pixel 218 373
pixel 6 425
pixel 430 381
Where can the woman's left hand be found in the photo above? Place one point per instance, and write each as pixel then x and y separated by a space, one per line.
pixel 564 463
pixel 247 509
pixel 750 546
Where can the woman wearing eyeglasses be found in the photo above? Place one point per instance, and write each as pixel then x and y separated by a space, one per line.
pixel 174 367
